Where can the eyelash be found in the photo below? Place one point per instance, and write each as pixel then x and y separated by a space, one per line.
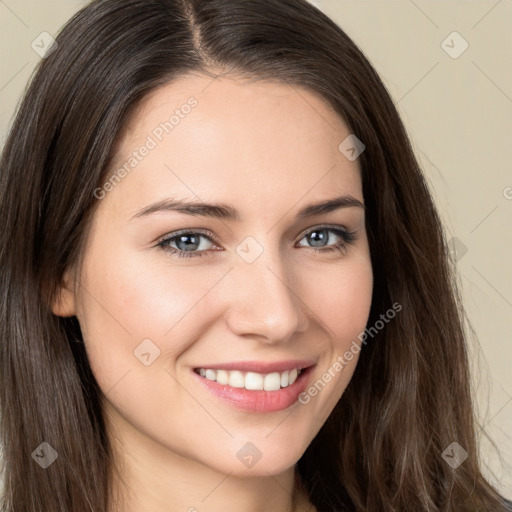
pixel 347 239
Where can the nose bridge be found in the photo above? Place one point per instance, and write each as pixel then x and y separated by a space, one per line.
pixel 264 302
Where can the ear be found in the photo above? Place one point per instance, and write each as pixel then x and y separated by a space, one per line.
pixel 64 301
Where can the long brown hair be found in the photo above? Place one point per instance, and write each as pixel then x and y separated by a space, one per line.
pixel 409 398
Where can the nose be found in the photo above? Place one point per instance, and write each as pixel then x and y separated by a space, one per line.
pixel 263 301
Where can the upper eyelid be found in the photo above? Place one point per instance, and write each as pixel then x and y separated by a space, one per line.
pixel 193 231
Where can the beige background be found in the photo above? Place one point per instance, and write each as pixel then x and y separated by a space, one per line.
pixel 459 114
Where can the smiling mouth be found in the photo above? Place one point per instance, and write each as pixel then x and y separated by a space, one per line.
pixel 251 380
pixel 275 387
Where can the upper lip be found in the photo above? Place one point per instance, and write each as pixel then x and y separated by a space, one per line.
pixel 261 366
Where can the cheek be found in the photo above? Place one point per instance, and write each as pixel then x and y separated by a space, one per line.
pixel 341 297
pixel 124 304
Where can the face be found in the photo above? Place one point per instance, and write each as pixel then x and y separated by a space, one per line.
pixel 182 309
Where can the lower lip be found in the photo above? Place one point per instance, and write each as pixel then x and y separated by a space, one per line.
pixel 258 401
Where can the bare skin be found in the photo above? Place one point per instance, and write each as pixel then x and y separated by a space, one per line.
pixel 268 150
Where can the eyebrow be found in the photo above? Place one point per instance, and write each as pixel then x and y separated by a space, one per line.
pixel 228 212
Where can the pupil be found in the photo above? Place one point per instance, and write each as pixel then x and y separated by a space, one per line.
pixel 315 234
pixel 183 239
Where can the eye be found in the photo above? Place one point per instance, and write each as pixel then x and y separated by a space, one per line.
pixel 187 243
pixel 320 237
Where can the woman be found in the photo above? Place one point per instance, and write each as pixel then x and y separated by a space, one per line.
pixel 224 281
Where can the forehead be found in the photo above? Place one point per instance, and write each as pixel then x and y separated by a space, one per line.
pixel 226 136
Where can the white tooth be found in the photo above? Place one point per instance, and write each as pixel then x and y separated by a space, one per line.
pixel 236 379
pixel 253 381
pixel 211 374
pixel 222 377
pixel 272 382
